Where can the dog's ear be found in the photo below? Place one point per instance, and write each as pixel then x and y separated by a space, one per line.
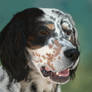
pixel 12 48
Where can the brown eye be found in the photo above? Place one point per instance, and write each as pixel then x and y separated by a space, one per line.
pixel 43 32
pixel 66 29
pixel 68 32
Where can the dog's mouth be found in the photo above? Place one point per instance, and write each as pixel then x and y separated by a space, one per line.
pixel 60 77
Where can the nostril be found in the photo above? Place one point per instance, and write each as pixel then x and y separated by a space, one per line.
pixel 72 54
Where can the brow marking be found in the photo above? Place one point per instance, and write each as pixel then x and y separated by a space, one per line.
pixel 50 26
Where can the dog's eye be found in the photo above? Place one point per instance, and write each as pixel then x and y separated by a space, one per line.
pixel 66 29
pixel 44 31
pixel 68 32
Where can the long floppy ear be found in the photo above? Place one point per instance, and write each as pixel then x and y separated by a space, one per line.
pixel 12 48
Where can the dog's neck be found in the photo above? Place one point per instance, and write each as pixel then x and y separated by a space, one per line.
pixel 36 83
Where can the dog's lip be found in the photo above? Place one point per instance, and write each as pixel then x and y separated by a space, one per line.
pixel 61 76
pixel 63 73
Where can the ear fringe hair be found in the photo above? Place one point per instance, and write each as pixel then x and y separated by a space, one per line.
pixel 13 41
pixel 12 48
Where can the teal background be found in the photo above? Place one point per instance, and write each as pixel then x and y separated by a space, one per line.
pixel 81 11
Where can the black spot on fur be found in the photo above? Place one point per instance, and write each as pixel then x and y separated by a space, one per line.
pixel 33 87
pixel 57 12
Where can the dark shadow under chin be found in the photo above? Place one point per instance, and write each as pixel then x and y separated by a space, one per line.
pixel 72 73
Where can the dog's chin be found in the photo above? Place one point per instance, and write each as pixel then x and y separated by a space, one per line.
pixel 57 77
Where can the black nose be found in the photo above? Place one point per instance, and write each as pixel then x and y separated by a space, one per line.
pixel 72 54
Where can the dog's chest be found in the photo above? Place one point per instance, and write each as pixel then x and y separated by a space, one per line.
pixel 35 84
pixel 38 84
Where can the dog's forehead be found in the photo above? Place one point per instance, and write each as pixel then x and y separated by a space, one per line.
pixel 50 15
pixel 60 19
pixel 52 12
pixel 54 15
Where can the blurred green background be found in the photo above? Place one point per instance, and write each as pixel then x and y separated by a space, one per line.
pixel 81 11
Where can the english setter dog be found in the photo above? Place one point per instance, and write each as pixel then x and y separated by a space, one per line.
pixel 38 51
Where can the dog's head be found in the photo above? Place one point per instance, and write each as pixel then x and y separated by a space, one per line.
pixel 49 37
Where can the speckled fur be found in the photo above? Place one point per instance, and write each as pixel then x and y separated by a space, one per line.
pixel 25 48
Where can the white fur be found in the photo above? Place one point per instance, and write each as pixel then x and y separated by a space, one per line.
pixel 15 87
